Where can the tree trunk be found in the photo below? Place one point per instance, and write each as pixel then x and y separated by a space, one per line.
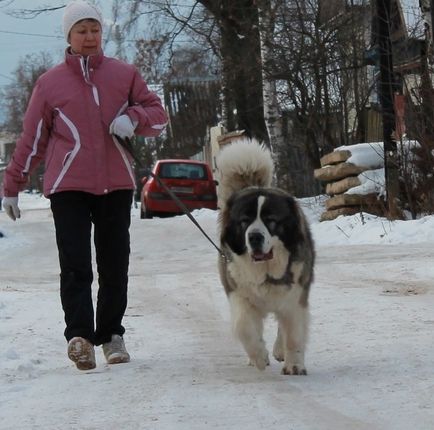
pixel 272 113
pixel 386 98
pixel 242 67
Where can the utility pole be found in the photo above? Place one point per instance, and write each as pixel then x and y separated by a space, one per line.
pixel 386 89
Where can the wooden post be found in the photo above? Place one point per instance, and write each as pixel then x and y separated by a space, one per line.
pixel 386 90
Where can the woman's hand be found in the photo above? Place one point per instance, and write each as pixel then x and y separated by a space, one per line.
pixel 123 127
pixel 10 205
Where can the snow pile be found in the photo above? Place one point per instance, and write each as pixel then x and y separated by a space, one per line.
pixel 369 155
pixel 372 181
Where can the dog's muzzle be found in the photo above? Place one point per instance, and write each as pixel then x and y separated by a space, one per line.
pixel 256 245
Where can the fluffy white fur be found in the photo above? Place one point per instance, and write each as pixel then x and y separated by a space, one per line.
pixel 259 227
pixel 242 164
pixel 254 299
pixel 292 319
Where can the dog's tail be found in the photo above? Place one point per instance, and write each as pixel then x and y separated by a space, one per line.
pixel 243 163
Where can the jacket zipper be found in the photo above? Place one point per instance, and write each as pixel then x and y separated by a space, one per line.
pixel 85 70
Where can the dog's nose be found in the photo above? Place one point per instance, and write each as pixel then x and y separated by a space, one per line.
pixel 256 240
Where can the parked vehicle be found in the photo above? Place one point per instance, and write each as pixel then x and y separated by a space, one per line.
pixel 190 180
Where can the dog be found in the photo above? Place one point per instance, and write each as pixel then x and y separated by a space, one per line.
pixel 267 257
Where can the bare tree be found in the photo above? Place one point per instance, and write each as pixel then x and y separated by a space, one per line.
pixel 29 13
pixel 272 111
pixel 148 59
pixel 16 95
pixel 315 59
pixel 238 24
pixel 230 29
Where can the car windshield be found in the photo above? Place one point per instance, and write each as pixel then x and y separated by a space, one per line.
pixel 182 171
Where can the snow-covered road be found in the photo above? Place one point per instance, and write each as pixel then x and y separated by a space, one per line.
pixel 370 358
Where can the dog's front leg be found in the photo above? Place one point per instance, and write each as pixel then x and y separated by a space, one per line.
pixel 293 332
pixel 247 323
pixel 279 349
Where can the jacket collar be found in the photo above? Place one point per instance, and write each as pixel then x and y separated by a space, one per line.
pixel 76 61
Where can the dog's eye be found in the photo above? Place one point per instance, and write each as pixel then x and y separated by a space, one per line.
pixel 244 221
pixel 270 222
pixel 271 225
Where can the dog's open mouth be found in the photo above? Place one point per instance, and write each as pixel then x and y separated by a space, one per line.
pixel 259 256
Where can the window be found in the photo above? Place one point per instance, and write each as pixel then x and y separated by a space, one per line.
pixel 182 171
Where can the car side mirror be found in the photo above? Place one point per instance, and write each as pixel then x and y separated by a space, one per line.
pixel 144 180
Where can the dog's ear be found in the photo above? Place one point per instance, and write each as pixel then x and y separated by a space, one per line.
pixel 234 238
pixel 292 226
pixel 232 233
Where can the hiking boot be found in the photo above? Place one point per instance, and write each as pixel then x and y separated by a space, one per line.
pixel 82 353
pixel 115 351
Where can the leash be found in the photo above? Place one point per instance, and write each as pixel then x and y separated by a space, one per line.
pixel 126 143
pixel 186 211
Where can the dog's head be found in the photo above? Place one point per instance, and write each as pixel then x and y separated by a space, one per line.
pixel 255 219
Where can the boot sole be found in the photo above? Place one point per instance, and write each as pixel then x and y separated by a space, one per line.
pixel 117 358
pixel 82 355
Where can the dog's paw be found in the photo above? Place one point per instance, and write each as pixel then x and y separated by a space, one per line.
pixel 278 353
pixel 294 369
pixel 261 361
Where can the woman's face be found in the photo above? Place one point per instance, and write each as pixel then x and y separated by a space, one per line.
pixel 85 37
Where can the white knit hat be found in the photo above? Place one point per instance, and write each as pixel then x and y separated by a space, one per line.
pixel 76 11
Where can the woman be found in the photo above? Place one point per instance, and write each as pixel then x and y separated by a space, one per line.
pixel 79 112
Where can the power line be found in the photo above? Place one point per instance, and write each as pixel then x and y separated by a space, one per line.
pixel 62 37
pixel 31 34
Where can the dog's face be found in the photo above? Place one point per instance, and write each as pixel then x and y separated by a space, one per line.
pixel 255 219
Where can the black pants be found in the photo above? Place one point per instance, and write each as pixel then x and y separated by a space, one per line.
pixel 74 213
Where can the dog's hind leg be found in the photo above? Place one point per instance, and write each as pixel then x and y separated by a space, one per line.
pixel 293 337
pixel 248 327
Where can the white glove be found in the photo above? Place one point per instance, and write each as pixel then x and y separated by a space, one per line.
pixel 10 205
pixel 123 127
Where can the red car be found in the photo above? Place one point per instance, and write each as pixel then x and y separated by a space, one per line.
pixel 190 180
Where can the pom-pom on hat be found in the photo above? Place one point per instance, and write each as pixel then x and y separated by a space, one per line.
pixel 76 11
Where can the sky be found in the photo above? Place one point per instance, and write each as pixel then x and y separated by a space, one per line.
pixel 20 37
pixel 16 38
pixel 369 358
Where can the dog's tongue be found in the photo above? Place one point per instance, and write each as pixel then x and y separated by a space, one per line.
pixel 259 256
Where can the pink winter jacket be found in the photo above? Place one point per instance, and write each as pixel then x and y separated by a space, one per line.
pixel 67 125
